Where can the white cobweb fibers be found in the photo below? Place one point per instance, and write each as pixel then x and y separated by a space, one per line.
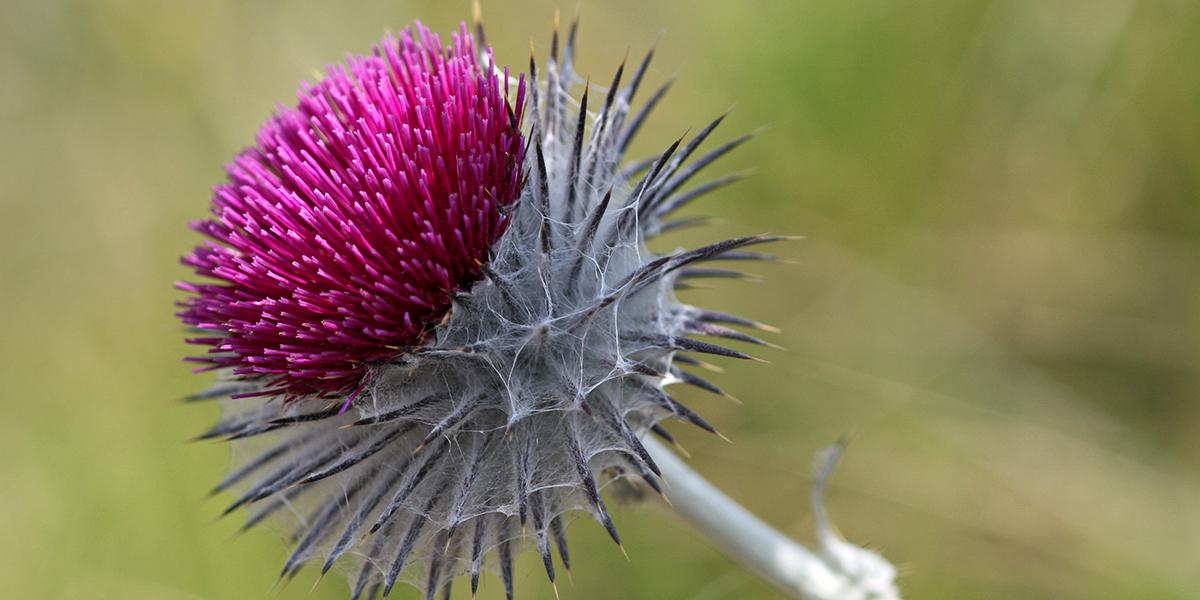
pixel 537 387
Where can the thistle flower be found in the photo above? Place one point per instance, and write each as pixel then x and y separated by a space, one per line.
pixel 441 326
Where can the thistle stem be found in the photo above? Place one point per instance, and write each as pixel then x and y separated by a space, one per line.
pixel 838 570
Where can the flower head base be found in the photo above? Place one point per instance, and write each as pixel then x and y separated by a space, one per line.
pixel 483 429
pixel 342 236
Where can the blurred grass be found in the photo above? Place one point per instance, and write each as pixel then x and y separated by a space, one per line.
pixel 998 295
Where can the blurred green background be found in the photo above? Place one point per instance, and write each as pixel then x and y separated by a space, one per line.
pixel 998 295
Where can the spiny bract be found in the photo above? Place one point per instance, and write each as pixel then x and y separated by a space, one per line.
pixel 531 394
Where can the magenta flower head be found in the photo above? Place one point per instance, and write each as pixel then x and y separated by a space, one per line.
pixel 342 236
pixel 439 327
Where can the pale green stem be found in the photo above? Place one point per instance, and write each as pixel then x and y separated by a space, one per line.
pixel 837 570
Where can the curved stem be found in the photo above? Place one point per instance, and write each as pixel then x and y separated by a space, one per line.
pixel 838 570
